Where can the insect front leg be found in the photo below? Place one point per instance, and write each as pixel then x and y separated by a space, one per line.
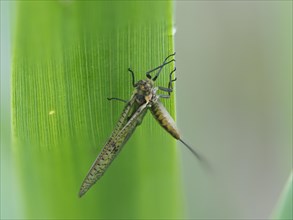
pixel 132 75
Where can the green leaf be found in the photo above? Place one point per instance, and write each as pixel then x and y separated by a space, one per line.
pixel 68 57
pixel 284 207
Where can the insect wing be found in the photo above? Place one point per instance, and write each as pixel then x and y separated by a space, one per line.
pixel 124 116
pixel 111 149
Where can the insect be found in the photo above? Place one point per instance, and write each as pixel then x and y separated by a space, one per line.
pixel 144 97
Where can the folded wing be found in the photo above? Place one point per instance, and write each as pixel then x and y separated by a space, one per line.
pixel 119 137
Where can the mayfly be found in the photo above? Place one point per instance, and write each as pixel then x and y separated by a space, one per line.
pixel 144 97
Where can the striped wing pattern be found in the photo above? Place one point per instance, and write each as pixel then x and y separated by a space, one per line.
pixel 123 118
pixel 122 132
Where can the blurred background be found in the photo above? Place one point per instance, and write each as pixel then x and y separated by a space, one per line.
pixel 234 105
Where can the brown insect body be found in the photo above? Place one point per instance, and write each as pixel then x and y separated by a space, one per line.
pixel 147 92
pixel 132 116
pixel 145 97
pixel 161 114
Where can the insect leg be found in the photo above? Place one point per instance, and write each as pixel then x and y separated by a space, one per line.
pixel 132 74
pixel 160 67
pixel 165 89
pixel 171 80
pixel 164 96
pixel 170 88
pixel 117 99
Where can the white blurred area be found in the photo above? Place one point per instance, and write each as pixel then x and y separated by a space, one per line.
pixel 234 104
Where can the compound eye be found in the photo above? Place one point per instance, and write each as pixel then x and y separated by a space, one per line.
pixel 141 98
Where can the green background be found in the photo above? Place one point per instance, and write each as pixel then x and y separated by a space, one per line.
pixel 68 57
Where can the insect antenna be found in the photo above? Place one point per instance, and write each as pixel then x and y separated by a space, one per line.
pixel 164 63
pixel 160 67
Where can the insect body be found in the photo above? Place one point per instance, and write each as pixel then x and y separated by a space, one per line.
pixel 144 97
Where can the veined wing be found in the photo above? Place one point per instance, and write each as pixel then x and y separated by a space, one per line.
pixel 124 116
pixel 112 148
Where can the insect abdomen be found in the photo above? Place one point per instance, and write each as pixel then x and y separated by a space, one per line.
pixel 164 119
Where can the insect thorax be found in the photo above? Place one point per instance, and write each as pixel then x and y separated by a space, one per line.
pixel 145 91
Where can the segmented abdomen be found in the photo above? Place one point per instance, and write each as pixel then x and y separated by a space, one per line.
pixel 164 118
